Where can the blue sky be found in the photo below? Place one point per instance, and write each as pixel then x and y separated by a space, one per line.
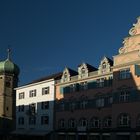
pixel 47 35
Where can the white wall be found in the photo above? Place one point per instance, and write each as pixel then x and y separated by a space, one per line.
pixel 39 98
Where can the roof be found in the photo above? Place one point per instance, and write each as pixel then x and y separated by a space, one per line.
pixel 89 67
pixel 55 76
pixel 72 72
pixel 110 61
pixel 8 66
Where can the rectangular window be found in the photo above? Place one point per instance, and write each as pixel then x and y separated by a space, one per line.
pixel 45 105
pixel 125 74
pixel 21 120
pixel 100 82
pixel 124 96
pixel 32 93
pixel 32 109
pixel 44 120
pixel 83 86
pixel 21 95
pixel 32 120
pixel 45 90
pixel 100 102
pixel 21 108
pixel 110 100
pixel 73 88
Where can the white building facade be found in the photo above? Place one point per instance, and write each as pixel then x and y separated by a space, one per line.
pixel 35 107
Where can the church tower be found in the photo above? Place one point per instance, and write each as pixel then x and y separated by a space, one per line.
pixel 8 81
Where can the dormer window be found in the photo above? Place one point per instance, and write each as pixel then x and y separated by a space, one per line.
pixel 65 76
pixel 83 71
pixel 105 65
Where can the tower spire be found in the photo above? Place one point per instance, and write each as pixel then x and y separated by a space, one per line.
pixel 8 53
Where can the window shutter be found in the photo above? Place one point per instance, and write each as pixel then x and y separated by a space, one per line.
pixel 137 70
pixel 61 90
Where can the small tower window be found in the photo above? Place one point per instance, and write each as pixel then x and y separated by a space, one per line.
pixel 8 84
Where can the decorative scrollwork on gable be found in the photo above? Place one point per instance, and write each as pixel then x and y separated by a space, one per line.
pixel 104 66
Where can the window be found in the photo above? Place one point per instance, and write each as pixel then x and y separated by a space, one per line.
pixel 124 96
pixel 21 120
pixel 45 105
pixel 72 123
pixel 32 93
pixel 32 120
pixel 73 88
pixel 83 122
pixel 107 122
pixel 32 109
pixel 21 108
pixel 44 120
pixel 45 90
pixel 21 95
pixel 61 123
pixel 7 84
pixel 125 74
pixel 95 122
pixel 72 106
pixel 100 82
pixel 100 102
pixel 138 121
pixel 110 100
pixel 62 106
pixel 104 67
pixel 124 120
pixel 65 77
pixel 83 104
pixel 83 86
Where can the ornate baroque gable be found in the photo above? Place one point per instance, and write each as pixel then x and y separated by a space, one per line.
pixel 132 42
pixel 105 65
pixel 66 75
pixel 82 71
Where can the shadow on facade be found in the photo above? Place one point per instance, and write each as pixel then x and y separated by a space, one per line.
pixel 101 111
pixel 6 126
pixel 33 121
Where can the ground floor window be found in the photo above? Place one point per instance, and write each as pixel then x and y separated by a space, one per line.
pixel 82 137
pixel 94 137
pixel 61 137
pixel 71 137
pixel 123 137
pixel 105 137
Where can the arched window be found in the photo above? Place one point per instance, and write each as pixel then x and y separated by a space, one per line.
pixel 83 122
pixel 61 123
pixel 95 122
pixel 124 120
pixel 107 122
pixel 71 123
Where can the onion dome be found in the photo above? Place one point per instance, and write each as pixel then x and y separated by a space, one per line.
pixel 8 66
